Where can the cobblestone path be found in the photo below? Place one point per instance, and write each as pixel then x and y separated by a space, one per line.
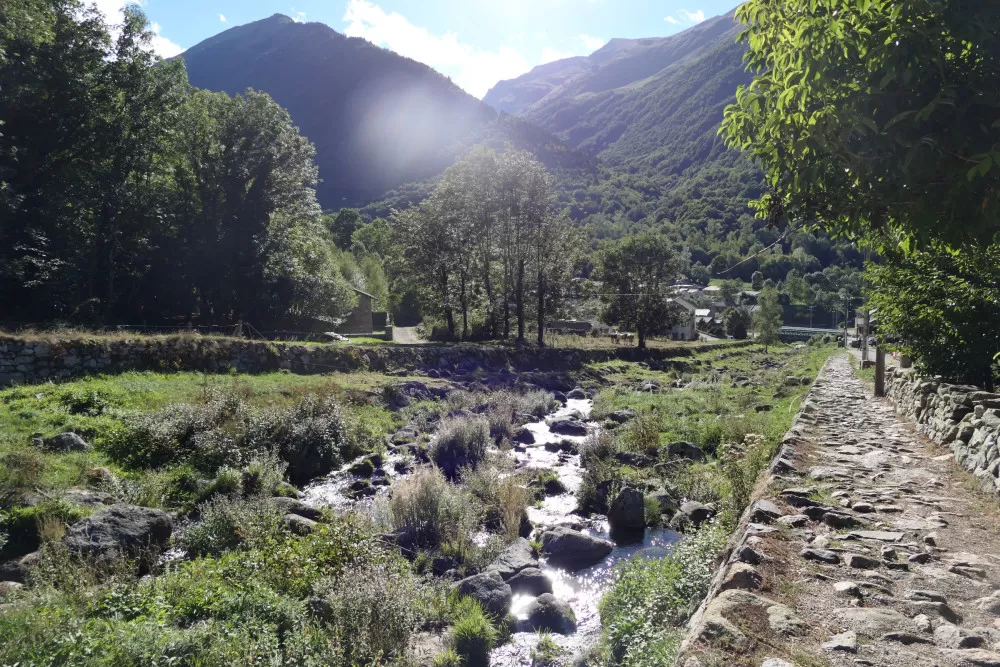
pixel 870 547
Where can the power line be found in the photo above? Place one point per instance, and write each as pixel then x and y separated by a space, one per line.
pixel 761 252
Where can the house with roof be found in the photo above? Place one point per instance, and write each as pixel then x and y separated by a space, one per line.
pixel 361 319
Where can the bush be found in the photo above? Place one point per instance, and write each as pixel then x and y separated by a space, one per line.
pixel 546 652
pixel 640 435
pixel 503 495
pixel 432 512
pixel 448 659
pixel 20 470
pixel 227 523
pixel 371 610
pixel 460 443
pixel 473 634
pixel 651 599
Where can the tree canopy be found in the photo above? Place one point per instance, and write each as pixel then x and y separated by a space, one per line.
pixel 874 115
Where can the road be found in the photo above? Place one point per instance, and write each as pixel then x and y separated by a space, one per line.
pixel 406 336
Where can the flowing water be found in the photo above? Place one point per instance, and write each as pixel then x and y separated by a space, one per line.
pixel 583 589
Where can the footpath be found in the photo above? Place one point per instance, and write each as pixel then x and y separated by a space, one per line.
pixel 869 546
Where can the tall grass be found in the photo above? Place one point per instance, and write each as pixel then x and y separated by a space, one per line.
pixel 460 442
pixel 503 494
pixel 434 512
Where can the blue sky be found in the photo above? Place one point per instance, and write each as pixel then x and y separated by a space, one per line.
pixel 476 43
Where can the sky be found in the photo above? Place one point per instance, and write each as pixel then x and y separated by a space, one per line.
pixel 475 42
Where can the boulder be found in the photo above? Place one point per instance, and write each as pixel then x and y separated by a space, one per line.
pixel 568 427
pixel 516 557
pixel 622 416
pixel 628 511
pixel 572 549
pixel 548 613
pixel 64 442
pixel 525 436
pixel 635 460
pixel 489 589
pixel 765 511
pixel 530 581
pixel 684 450
pixel 293 506
pixel 88 498
pixel 692 513
pixel 298 525
pixel 577 393
pixel 119 530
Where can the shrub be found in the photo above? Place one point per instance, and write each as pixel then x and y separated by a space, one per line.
pixel 640 435
pixel 432 512
pixel 227 523
pixel 546 652
pixel 504 497
pixel 460 443
pixel 448 659
pixel 371 610
pixel 651 599
pixel 20 470
pixel 653 511
pixel 473 634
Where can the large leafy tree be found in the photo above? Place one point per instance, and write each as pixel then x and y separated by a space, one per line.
pixel 875 115
pixel 767 319
pixel 637 273
pixel 944 308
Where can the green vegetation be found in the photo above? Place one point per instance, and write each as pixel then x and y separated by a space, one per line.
pixel 874 117
pixel 636 274
pixel 473 634
pixel 767 319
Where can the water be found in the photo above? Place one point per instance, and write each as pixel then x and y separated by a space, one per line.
pixel 583 589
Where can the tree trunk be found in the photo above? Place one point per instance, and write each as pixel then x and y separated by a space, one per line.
pixel 541 309
pixel 465 308
pixel 640 333
pixel 448 315
pixel 519 300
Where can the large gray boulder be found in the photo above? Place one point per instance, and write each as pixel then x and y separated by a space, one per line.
pixel 691 513
pixel 546 612
pixel 530 581
pixel 573 550
pixel 568 427
pixel 120 531
pixel 628 511
pixel 64 442
pixel 489 589
pixel 293 506
pixel 684 450
pixel 516 557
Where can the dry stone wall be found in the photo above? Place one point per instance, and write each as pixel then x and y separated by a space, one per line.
pixel 964 418
pixel 28 361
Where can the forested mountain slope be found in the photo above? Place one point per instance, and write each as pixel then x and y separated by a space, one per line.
pixel 377 119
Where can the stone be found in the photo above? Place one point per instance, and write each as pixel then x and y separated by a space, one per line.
pixel 775 662
pixel 931 539
pixel 568 427
pixel 975 657
pixel 627 511
pixel 873 621
pixel 64 442
pixel 741 576
pixel 547 612
pixel 861 562
pixel 293 506
pixel 783 621
pixel 530 581
pixel 793 520
pixel 948 635
pixel 925 596
pixel 765 511
pixel 922 623
pixel 577 394
pixel 517 556
pixel 848 588
pixel 635 460
pixel 525 436
pixel 747 554
pixel 572 549
pixel 905 638
pixel 820 555
pixel 839 520
pixel 489 589
pixel 9 589
pixel 694 513
pixel 684 450
pixel 622 416
pixel 920 559
pixel 845 641
pixel 119 530
pixel 299 525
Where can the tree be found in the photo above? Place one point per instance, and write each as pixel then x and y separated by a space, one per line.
pixel 768 318
pixel 636 274
pixel 343 225
pixel 874 115
pixel 797 288
pixel 757 281
pixel 943 307
pixel 730 291
pixel 700 274
pixel 737 322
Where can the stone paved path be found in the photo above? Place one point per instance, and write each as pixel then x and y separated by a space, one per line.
pixel 870 547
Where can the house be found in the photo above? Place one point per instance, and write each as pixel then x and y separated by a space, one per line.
pixel 570 326
pixel 687 329
pixel 359 321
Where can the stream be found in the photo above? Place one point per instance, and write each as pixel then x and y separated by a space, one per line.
pixel 583 589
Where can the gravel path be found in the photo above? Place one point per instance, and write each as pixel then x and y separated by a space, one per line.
pixel 406 336
pixel 869 547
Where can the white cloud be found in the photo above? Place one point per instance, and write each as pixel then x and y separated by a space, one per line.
pixel 694 17
pixel 592 43
pixel 299 17
pixel 112 10
pixel 671 19
pixel 475 70
pixel 222 18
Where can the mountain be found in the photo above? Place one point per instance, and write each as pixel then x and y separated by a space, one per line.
pixel 650 109
pixel 377 119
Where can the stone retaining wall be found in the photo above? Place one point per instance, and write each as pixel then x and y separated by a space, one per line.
pixel 29 361
pixel 964 418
